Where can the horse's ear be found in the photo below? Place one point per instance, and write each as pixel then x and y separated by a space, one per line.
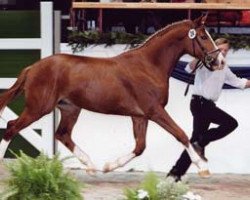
pixel 200 21
pixel 204 18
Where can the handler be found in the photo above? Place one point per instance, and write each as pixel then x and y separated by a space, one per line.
pixel 206 91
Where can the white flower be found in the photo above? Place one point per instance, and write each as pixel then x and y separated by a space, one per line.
pixel 160 185
pixel 191 196
pixel 142 194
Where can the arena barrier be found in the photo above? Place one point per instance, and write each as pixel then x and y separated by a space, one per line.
pixel 42 142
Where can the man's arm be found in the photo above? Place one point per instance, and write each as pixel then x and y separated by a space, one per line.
pixel 233 80
pixel 247 84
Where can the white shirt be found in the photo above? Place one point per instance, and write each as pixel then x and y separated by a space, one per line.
pixel 208 84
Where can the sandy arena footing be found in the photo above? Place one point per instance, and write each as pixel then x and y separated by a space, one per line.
pixel 110 186
pixel 217 187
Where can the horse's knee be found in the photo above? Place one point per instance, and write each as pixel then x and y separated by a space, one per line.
pixel 10 124
pixel 61 132
pixel 10 130
pixel 9 134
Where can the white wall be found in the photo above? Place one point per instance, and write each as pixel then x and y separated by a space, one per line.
pixel 106 137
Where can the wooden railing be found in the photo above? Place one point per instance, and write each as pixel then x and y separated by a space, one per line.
pixel 193 6
pixel 167 6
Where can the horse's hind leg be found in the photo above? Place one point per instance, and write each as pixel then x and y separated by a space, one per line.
pixel 13 127
pixel 36 106
pixel 161 117
pixel 4 144
pixel 140 129
pixel 69 115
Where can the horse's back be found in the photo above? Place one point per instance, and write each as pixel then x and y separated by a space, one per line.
pixel 91 83
pixel 107 85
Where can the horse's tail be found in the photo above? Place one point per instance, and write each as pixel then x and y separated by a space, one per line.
pixel 14 91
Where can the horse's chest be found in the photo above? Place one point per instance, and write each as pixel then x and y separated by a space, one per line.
pixel 160 88
pixel 156 91
pixel 162 94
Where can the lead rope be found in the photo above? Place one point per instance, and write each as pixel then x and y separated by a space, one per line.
pixel 197 65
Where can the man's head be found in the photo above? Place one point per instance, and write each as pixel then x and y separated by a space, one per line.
pixel 224 45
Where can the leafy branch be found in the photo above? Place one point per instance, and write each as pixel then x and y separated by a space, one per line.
pixel 80 40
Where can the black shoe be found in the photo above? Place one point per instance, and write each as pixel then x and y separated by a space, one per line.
pixel 200 150
pixel 174 176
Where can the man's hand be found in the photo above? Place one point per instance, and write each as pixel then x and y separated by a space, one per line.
pixel 219 67
pixel 193 64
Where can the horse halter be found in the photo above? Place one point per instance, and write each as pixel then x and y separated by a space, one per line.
pixel 208 59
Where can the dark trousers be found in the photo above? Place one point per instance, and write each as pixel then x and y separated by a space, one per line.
pixel 204 112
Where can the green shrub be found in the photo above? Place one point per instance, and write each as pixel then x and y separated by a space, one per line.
pixel 79 40
pixel 154 188
pixel 40 178
pixel 168 190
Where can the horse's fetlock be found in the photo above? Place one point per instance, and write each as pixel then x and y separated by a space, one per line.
pixel 138 152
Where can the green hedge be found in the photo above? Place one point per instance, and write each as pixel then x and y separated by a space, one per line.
pixel 20 24
pixel 79 40
pixel 13 61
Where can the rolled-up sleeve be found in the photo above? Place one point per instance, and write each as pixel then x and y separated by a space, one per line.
pixel 233 80
pixel 188 68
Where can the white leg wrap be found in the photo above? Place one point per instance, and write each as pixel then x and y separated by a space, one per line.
pixel 192 154
pixel 3 148
pixel 201 164
pixel 120 162
pixel 83 157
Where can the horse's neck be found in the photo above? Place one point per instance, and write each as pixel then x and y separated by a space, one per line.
pixel 165 52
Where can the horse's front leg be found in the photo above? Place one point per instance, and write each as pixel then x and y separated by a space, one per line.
pixel 161 117
pixel 139 128
pixel 69 115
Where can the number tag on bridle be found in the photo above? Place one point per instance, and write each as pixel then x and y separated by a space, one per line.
pixel 192 33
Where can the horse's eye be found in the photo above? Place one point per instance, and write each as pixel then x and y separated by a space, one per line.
pixel 204 37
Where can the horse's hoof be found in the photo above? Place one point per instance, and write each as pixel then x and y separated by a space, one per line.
pixel 106 168
pixel 204 173
pixel 91 171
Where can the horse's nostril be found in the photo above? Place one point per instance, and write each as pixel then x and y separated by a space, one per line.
pixel 213 61
pixel 222 62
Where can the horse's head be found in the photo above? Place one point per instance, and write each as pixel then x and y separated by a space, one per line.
pixel 202 46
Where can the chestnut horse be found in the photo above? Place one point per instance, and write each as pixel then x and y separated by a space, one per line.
pixel 134 83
